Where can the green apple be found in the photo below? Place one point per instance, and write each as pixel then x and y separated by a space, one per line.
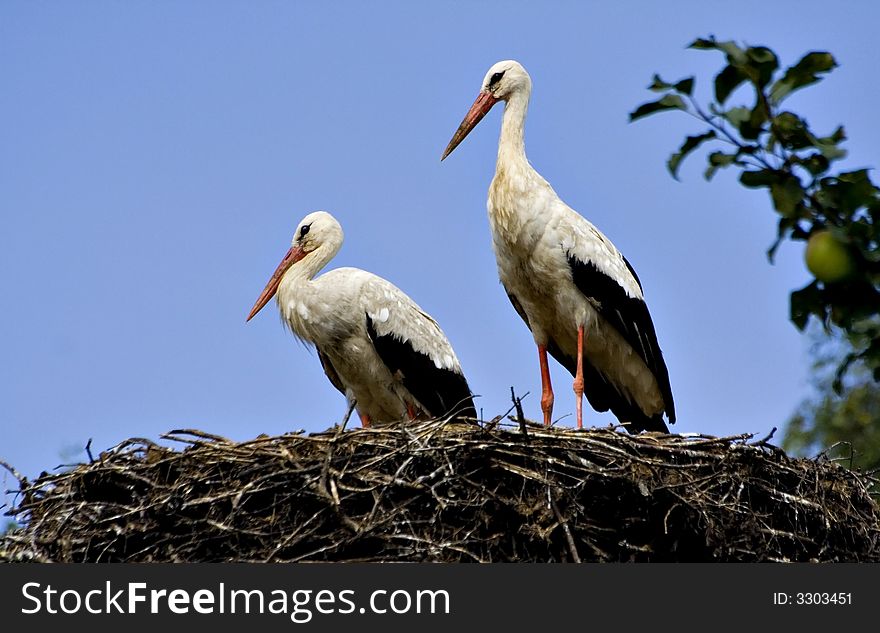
pixel 828 258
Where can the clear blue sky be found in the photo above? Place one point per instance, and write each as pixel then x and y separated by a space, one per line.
pixel 155 158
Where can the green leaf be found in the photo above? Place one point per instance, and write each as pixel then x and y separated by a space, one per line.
pixel 815 163
pixel 828 194
pixel 791 131
pixel 658 85
pixel 705 44
pixel 787 121
pixel 752 129
pixel 787 194
pixel 727 81
pixel 718 160
pixel 668 102
pixel 873 210
pixel 761 55
pixel 689 145
pixel 836 137
pixel 737 116
pixel 685 86
pixel 802 74
pixel 756 64
pixel 858 177
pixel 846 194
pixel 856 190
pixel 831 152
pixel 804 302
pixel 760 178
pixel 735 54
pixel 786 226
pixel 828 145
pixel 761 64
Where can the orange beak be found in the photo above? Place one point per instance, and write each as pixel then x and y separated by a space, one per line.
pixel 484 103
pixel 295 254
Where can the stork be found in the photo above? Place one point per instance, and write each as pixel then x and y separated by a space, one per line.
pixel 382 351
pixel 577 294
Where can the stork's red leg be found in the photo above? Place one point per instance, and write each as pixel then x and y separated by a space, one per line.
pixel 579 379
pixel 546 387
pixel 365 420
pixel 411 411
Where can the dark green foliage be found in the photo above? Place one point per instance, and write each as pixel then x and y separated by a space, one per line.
pixel 775 149
pixel 668 102
pixel 690 144
pixel 843 425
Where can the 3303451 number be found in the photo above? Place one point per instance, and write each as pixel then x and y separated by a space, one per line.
pixel 822 598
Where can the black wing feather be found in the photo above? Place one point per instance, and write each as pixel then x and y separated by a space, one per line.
pixel 630 317
pixel 330 371
pixel 440 391
pixel 632 271
pixel 518 307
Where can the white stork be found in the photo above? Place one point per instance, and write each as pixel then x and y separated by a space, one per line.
pixel 581 299
pixel 382 351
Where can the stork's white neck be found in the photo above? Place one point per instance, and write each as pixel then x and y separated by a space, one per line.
pixel 305 269
pixel 510 194
pixel 511 144
pixel 296 294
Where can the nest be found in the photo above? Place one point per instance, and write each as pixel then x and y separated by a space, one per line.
pixel 450 492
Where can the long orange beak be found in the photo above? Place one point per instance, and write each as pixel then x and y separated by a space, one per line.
pixel 484 103
pixel 295 254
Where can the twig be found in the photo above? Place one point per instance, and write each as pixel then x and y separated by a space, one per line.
pixel 21 478
pixel 351 407
pixel 520 417
pixel 572 548
pixel 766 438
pixel 498 418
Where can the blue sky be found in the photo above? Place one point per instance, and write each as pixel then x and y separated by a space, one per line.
pixel 155 158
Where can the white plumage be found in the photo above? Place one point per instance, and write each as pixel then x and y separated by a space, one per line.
pixel 572 287
pixel 388 356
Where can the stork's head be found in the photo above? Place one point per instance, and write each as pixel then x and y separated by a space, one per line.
pixel 502 82
pixel 315 230
pixel 506 78
pixel 316 240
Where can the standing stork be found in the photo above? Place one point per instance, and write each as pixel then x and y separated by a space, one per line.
pixel 382 351
pixel 579 296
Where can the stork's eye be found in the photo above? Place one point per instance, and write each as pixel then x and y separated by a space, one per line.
pixel 495 78
pixel 304 231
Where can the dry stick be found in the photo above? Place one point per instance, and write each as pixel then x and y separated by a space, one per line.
pixel 766 438
pixel 348 413
pixel 520 417
pixel 21 479
pixel 828 450
pixel 499 418
pixel 572 548
pixel 196 433
pixel 325 469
